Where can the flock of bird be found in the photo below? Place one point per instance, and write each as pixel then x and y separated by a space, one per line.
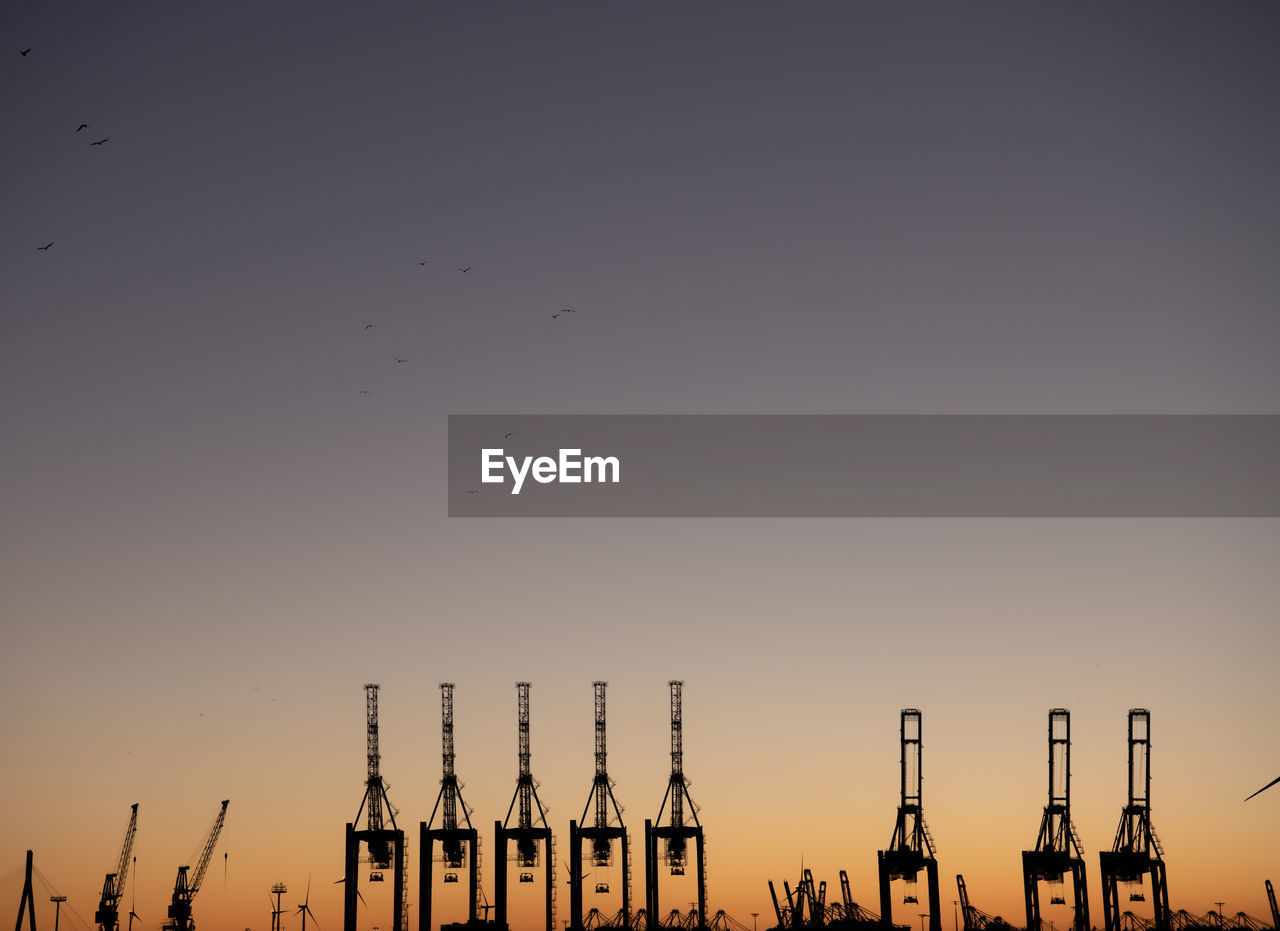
pixel 368 326
pixel 464 269
pixel 105 139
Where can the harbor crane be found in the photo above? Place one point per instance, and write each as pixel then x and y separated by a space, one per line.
pixel 911 848
pixel 527 833
pixel 188 882
pixel 1136 851
pixel 385 844
pixel 1058 848
pixel 603 829
pixel 459 846
pixel 974 918
pixel 675 833
pixel 108 914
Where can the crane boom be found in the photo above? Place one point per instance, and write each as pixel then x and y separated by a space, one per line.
pixel 184 888
pixel 209 844
pixel 108 914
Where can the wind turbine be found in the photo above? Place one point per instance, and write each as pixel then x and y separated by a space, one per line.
pixel 305 909
pixel 134 901
pixel 359 894
pixel 1264 788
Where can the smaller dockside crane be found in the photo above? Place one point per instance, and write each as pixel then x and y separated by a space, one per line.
pixel 108 914
pixel 1275 911
pixel 974 918
pixel 188 882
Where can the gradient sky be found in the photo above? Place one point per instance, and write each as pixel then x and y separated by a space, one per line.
pixel 211 538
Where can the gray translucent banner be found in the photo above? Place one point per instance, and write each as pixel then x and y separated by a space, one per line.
pixel 864 465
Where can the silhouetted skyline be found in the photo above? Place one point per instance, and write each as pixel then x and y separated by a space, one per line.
pixel 225 500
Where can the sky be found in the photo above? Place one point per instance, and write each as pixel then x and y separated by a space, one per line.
pixel 225 502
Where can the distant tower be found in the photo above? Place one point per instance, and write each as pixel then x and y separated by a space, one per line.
pixel 459 846
pixel 911 849
pixel 1058 848
pixel 526 832
pixel 602 831
pixel 1136 850
pixel 676 833
pixel 385 844
pixel 278 889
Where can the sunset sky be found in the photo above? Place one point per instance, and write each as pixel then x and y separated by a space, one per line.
pixel 224 502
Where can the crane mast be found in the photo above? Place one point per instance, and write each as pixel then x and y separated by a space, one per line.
pixel 677 786
pixel 375 792
pixel 601 796
pixel 187 884
pixel 108 914
pixel 526 793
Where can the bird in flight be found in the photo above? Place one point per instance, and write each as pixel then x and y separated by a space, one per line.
pixel 464 270
pixel 24 52
pixel 364 390
pixel 424 261
pixel 508 436
pixel 44 248
pixel 82 126
pixel 472 491
pixel 369 326
pixel 399 359
pixel 567 310
pixel 100 141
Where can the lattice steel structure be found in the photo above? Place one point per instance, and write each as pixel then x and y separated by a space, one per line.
pixel 385 844
pixel 459 846
pixel 108 914
pixel 528 833
pixel 675 833
pixel 605 827
pixel 188 881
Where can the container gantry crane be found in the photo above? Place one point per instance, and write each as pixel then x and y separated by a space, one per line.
pixel 1058 848
pixel 527 832
pixel 911 848
pixel 108 914
pixel 676 833
pixel 385 844
pixel 1136 851
pixel 459 846
pixel 602 831
pixel 188 881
